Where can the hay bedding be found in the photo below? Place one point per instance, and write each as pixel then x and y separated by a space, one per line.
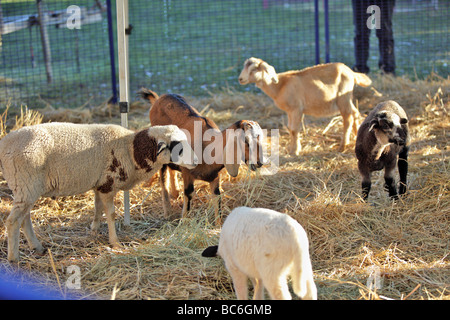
pixel 406 244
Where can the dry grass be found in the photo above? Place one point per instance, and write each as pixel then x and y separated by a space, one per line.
pixel 406 242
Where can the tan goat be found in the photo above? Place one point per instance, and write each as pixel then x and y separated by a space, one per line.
pixel 320 91
pixel 229 149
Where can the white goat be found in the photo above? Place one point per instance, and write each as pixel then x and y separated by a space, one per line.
pixel 266 246
pixel 320 91
pixel 62 159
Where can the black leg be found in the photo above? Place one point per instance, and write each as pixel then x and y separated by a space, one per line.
pixel 403 169
pixel 366 180
pixel 389 184
pixel 188 195
pixel 366 185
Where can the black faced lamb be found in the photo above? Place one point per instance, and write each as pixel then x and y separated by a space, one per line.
pixel 383 142
pixel 265 246
pixel 62 159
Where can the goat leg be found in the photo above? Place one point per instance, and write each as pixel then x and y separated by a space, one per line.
pixel 215 190
pixel 366 180
pixel 188 190
pixel 294 121
pixel 389 183
pixel 366 185
pixel 403 169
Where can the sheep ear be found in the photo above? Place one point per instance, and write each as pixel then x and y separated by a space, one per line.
pixel 161 147
pixel 210 251
pixel 175 156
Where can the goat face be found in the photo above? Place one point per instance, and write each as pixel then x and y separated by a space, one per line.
pixel 390 128
pixel 244 143
pixel 253 151
pixel 256 70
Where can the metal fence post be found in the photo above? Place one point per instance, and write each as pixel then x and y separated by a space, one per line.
pixel 327 31
pixel 111 52
pixel 122 46
pixel 316 28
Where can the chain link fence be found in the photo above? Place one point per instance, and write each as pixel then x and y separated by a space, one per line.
pixel 59 52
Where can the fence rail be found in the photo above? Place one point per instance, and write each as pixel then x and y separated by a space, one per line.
pixel 193 47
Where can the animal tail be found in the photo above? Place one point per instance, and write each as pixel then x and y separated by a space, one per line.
pixel 210 251
pixel 302 273
pixel 362 80
pixel 148 94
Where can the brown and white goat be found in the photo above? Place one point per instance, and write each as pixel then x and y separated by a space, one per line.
pixel 383 142
pixel 215 149
pixel 320 91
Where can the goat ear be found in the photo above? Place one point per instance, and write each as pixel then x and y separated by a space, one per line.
pixel 270 76
pixel 232 155
pixel 374 124
pixel 257 62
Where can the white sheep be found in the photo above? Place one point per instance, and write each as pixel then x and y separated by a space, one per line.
pixel 62 159
pixel 266 246
pixel 320 91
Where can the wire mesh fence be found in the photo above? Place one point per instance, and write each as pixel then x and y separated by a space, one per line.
pixel 201 45
pixel 420 35
pixel 76 66
pixel 193 47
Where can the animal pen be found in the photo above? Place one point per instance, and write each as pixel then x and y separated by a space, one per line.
pixel 66 60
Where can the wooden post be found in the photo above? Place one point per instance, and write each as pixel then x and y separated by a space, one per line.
pixel 42 19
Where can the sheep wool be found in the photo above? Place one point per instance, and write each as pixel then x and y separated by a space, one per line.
pixel 266 246
pixel 62 159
